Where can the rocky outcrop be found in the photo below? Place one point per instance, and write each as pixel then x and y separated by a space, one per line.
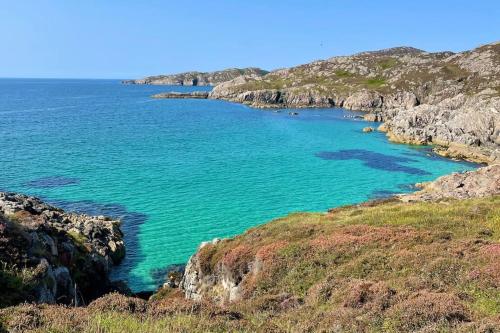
pixel 181 95
pixel 469 127
pixel 471 184
pixel 194 281
pixel 221 282
pixel 384 266
pixel 198 78
pixel 50 256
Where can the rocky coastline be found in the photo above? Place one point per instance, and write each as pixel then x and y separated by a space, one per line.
pixel 198 78
pixel 348 259
pixel 224 284
pixel 50 256
pixel 450 100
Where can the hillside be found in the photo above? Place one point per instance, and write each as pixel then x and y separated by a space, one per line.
pixel 444 98
pixel 386 266
pixel 199 78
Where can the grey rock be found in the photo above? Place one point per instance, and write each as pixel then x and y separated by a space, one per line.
pixel 57 246
pixel 198 78
pixel 175 94
pixel 471 184
pixel 364 100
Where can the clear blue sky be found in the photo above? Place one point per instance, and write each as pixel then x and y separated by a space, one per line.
pixel 128 39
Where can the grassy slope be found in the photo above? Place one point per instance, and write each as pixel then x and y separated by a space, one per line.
pixel 390 267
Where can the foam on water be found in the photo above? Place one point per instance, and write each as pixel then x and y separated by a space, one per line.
pixel 179 172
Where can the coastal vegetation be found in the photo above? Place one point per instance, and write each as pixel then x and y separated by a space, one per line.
pixel 383 266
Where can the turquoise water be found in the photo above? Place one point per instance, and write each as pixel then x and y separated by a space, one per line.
pixel 179 172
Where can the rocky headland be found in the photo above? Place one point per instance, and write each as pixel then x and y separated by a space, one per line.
pixel 448 99
pixel 176 94
pixel 199 78
pixel 225 284
pixel 50 256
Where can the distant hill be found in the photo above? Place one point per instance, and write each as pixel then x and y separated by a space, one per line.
pixel 199 78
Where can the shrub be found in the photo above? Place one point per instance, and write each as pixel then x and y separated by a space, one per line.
pixel 118 303
pixel 375 82
pixel 22 318
pixel 424 309
pixel 366 294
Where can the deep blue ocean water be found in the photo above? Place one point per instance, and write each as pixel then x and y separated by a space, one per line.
pixel 178 172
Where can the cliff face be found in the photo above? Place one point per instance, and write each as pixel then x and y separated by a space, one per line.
pixel 45 251
pixel 443 98
pixel 198 78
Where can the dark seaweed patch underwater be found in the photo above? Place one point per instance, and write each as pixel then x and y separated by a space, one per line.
pixel 374 160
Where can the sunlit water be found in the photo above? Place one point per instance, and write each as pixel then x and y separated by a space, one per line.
pixel 178 172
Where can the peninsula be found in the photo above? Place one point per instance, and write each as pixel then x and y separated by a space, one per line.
pixel 198 78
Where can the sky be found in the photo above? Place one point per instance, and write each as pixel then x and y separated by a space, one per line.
pixel 135 38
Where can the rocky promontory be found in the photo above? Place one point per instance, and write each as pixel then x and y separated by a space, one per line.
pixel 181 95
pixel 198 78
pixel 443 98
pixel 478 183
pixel 50 256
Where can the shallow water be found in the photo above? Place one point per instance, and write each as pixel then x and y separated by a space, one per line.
pixel 179 172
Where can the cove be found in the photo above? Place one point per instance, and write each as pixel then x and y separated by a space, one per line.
pixel 179 172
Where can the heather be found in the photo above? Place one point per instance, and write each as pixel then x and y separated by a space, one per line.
pixel 377 267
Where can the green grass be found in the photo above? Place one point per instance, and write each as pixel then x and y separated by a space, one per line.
pixel 79 239
pixel 343 73
pixel 387 63
pixel 375 82
pixel 15 284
